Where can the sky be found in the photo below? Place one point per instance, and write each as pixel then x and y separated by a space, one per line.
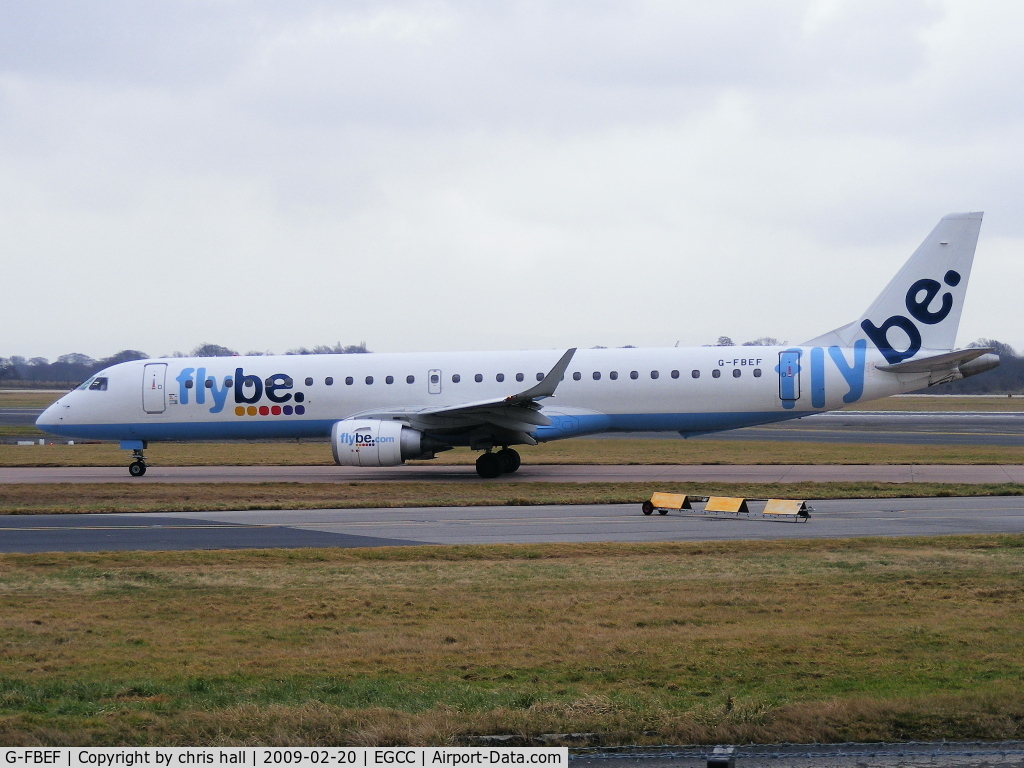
pixel 494 175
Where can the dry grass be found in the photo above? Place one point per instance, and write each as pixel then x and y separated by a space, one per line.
pixel 28 398
pixel 599 451
pixel 751 641
pixel 85 498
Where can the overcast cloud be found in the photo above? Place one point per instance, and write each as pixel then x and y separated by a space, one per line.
pixel 473 175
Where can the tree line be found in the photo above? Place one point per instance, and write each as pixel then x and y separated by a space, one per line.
pixel 70 370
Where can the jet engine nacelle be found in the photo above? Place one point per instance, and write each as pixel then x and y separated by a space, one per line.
pixel 372 443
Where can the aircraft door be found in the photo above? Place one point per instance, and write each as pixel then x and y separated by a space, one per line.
pixel 434 381
pixel 153 381
pixel 789 375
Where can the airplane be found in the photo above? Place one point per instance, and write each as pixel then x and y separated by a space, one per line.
pixel 384 409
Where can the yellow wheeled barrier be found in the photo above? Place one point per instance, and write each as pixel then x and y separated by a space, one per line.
pixel 790 510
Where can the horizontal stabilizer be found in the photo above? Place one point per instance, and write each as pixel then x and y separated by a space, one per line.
pixel 945 362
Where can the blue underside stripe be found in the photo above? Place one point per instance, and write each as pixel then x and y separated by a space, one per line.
pixel 561 427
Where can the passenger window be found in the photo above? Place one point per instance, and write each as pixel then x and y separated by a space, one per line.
pixel 634 374
pixel 675 374
pixel 736 373
pixel 369 379
pixel 309 381
pixel 412 379
pixel 99 384
pixel 500 377
pixel 576 376
pixel 188 384
pixel 456 378
pixel 695 374
pixel 613 375
pixel 478 378
pixel 757 373
pixel 519 377
pixel 716 373
pixel 329 381
pixel 654 374
pixel 389 380
pixel 349 380
pixel 597 375
pixel 209 383
pixel 540 377
pixel 228 381
pixel 281 381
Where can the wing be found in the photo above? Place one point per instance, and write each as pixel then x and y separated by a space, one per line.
pixel 501 421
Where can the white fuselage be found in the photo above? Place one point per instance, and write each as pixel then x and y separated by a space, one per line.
pixel 688 390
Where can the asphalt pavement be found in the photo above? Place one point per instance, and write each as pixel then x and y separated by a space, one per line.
pixel 497 525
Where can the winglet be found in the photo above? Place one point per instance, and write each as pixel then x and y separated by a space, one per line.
pixel 546 386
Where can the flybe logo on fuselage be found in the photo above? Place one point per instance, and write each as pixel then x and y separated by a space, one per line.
pixel 918 301
pixel 247 391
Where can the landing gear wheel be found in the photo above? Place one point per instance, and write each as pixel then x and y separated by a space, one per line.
pixel 509 459
pixel 662 511
pixel 137 468
pixel 488 466
pixel 647 507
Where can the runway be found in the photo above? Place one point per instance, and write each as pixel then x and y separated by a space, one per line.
pixel 536 473
pixel 494 525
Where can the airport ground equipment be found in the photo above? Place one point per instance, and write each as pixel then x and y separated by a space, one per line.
pixel 787 510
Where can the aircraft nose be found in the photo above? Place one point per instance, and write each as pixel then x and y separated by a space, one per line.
pixel 50 418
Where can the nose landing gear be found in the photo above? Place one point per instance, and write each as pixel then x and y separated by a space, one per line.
pixel 490 465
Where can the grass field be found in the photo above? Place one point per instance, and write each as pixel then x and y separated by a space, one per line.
pixel 734 642
pixel 612 451
pixel 28 398
pixel 84 498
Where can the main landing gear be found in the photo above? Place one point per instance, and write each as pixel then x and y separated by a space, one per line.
pixel 490 465
pixel 138 467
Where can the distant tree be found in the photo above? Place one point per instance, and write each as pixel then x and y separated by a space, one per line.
pixel 212 350
pixel 124 356
pixel 764 341
pixel 75 358
pixel 7 370
pixel 337 349
pixel 257 353
pixel 1000 347
pixel 72 368
pixel 627 346
pixel 724 341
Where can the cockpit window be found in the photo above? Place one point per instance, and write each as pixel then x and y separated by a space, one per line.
pixel 85 384
pixel 99 384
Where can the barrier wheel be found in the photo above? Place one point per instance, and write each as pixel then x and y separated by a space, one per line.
pixel 648 507
pixel 662 511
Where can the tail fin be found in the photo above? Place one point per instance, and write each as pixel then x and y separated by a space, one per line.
pixel 920 308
